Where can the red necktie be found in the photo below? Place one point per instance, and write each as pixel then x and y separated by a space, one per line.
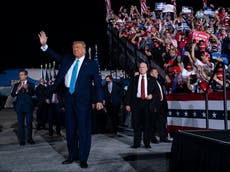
pixel 143 87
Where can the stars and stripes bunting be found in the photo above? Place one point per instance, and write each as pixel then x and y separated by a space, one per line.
pixel 187 111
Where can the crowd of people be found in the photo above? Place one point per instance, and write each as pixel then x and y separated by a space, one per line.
pixel 170 40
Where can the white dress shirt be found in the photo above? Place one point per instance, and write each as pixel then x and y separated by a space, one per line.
pixel 110 87
pixel 22 84
pixel 161 92
pixel 139 86
pixel 69 73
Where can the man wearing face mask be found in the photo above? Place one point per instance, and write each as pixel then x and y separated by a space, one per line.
pixel 154 52
pixel 112 94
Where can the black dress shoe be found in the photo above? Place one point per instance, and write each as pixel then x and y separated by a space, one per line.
pixel 83 164
pixel 22 143
pixel 31 141
pixel 135 146
pixel 68 161
pixel 147 146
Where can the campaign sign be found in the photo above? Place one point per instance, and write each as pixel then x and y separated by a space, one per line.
pixel 168 8
pixel 186 10
pixel 159 6
pixel 224 57
pixel 198 35
pixel 209 12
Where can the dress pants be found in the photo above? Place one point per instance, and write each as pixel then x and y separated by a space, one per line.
pixel 54 118
pixel 141 122
pixel 21 125
pixel 78 127
pixel 160 121
pixel 113 111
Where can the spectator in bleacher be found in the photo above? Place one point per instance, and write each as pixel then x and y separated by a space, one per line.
pixel 179 85
pixel 166 31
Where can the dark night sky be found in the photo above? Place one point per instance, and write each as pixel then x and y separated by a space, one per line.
pixel 63 22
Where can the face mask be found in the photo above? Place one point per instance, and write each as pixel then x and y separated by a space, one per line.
pixel 172 57
pixel 202 47
pixel 156 45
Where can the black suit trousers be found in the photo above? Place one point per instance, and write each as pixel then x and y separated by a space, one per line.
pixel 141 122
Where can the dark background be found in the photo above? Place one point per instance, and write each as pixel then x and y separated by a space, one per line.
pixel 64 22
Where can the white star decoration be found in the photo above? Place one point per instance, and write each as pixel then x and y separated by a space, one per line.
pixel 177 113
pixel 194 114
pixel 204 114
pixel 170 113
pixel 214 115
pixel 185 113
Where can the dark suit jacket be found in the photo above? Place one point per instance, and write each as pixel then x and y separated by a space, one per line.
pixel 115 96
pixel 24 102
pixel 41 93
pixel 89 71
pixel 131 96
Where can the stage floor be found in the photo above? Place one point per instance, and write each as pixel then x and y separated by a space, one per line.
pixel 108 153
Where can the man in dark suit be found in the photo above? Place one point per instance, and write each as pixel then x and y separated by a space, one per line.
pixel 159 120
pixel 77 71
pixel 55 107
pixel 23 91
pixel 139 96
pixel 112 94
pixel 41 92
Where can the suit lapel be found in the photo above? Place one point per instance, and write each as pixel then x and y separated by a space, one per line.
pixel 81 71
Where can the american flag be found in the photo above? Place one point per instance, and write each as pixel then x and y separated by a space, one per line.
pixel 50 75
pixel 108 7
pixel 144 8
pixel 173 2
pixel 54 71
pixel 46 77
pixel 42 74
pixel 97 61
pixel 187 111
pixel 205 3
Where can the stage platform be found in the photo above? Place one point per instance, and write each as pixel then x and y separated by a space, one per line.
pixel 201 151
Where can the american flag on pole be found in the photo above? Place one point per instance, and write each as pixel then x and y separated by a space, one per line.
pixel 42 74
pixel 174 3
pixel 205 3
pixel 144 8
pixel 97 61
pixel 47 78
pixel 108 7
pixel 187 111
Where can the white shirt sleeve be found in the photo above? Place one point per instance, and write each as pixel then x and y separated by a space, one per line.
pixel 44 47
